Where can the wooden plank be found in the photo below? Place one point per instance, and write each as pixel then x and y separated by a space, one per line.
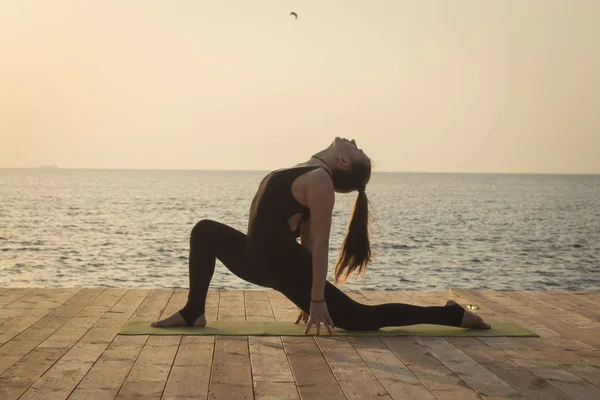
pixel 153 305
pixel 443 383
pixel 497 363
pixel 311 371
pixel 275 390
pixel 576 365
pixel 60 379
pixel 283 308
pixel 313 377
pixel 425 298
pixel 435 376
pixel 104 302
pixel 439 378
pixel 19 323
pixel 394 376
pixel 357 296
pixel 271 374
pixel 592 297
pixel 509 371
pixel 43 297
pixel 17 379
pixel 560 362
pixel 213 299
pixel 105 378
pixel 6 314
pixel 576 304
pixel 68 343
pixel 190 376
pixel 558 308
pixel 364 298
pixel 30 338
pixel 375 297
pixel 58 382
pixel 13 295
pixel 353 375
pixel 105 330
pixel 176 303
pixel 566 337
pixel 472 373
pixel 590 373
pixel 538 359
pixel 563 380
pixel 231 306
pixel 231 376
pixel 258 307
pixel 549 339
pixel 21 374
pixel 148 376
pixel 488 351
pixel 539 312
pixel 30 309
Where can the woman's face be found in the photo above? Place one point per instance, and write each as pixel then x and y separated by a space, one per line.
pixel 349 150
pixel 349 156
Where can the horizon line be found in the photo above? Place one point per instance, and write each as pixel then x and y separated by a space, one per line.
pixel 46 168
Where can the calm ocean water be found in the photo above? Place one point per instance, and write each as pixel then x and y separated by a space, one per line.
pixel 130 228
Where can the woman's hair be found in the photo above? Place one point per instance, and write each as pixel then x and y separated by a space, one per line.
pixel 355 253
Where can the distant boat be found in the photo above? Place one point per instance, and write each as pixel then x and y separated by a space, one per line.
pixel 53 166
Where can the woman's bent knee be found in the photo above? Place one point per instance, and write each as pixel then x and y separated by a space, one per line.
pixel 202 230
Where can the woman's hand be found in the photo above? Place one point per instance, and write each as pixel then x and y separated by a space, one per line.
pixel 318 314
pixel 302 317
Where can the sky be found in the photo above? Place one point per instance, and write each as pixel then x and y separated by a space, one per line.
pixel 503 86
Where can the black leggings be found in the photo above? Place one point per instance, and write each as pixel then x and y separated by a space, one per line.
pixel 291 274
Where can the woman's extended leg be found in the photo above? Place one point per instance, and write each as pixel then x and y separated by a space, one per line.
pixel 292 276
pixel 210 240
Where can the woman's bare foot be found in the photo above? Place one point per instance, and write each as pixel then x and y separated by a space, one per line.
pixel 177 320
pixel 470 320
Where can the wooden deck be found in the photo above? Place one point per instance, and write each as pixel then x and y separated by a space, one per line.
pixel 62 343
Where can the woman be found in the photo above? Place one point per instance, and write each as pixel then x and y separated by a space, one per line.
pixel 294 202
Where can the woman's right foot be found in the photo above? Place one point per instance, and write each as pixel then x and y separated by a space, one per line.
pixel 470 320
pixel 177 320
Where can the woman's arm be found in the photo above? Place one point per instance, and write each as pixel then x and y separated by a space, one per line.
pixel 306 235
pixel 320 197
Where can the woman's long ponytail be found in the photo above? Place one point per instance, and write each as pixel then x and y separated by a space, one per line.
pixel 355 253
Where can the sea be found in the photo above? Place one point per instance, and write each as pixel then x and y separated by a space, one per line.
pixel 430 231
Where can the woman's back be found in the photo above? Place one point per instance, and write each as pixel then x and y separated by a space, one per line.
pixel 273 206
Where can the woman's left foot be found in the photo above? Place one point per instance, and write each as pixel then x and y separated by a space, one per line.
pixel 470 320
pixel 177 320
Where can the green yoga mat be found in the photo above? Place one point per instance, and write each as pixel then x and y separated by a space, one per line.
pixel 250 328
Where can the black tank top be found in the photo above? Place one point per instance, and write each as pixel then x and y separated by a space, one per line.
pixel 271 209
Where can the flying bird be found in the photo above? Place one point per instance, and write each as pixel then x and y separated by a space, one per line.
pixel 294 14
